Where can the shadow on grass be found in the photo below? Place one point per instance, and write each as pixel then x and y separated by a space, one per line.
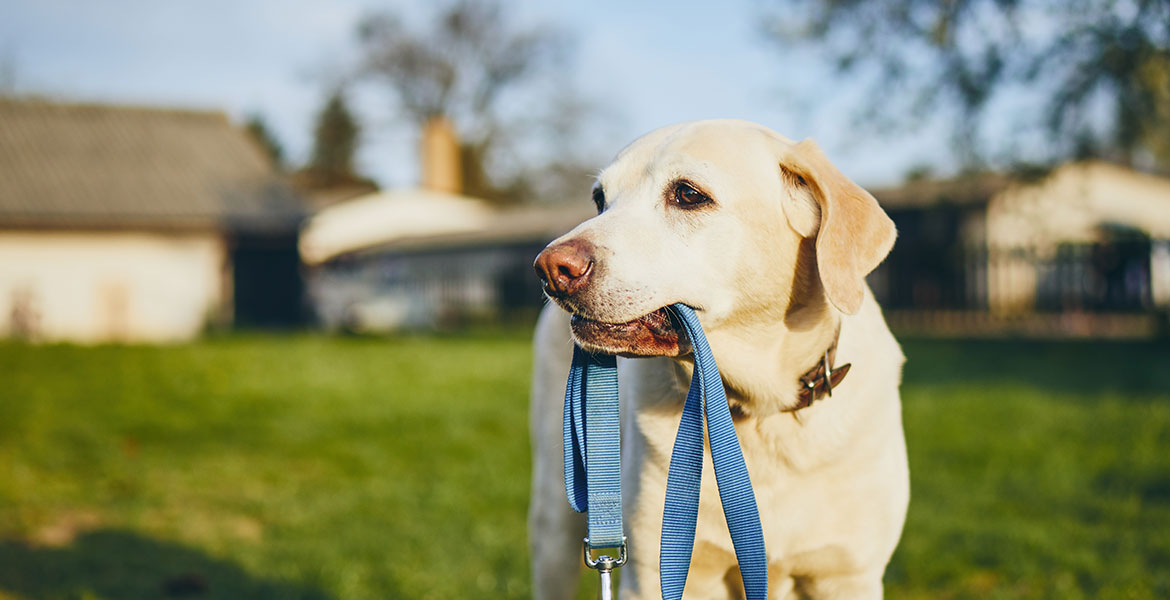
pixel 1080 368
pixel 125 565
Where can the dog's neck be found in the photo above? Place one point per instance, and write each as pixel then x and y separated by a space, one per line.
pixel 762 362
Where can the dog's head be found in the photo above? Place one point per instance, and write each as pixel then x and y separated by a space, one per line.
pixel 728 217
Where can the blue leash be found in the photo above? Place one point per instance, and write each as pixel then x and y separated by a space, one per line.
pixel 598 487
pixel 593 453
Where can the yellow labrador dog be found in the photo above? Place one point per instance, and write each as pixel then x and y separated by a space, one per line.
pixel 770 244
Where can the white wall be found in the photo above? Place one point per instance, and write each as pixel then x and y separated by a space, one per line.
pixel 110 286
pixel 1073 202
pixel 1069 207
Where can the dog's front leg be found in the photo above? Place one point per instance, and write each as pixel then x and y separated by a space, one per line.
pixel 554 540
pixel 554 530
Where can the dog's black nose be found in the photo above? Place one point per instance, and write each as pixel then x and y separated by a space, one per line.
pixel 565 268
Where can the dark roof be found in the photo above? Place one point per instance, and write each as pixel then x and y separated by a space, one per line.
pixel 82 165
pixel 964 190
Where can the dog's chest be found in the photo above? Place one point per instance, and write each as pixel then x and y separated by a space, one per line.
pixel 801 495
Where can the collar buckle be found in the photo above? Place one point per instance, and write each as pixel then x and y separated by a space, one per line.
pixel 819 381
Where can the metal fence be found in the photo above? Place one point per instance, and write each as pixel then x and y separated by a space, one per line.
pixel 1107 277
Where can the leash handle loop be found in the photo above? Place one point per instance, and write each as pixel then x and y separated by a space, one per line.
pixel 707 400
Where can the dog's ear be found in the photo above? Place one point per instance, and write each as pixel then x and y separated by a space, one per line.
pixel 854 234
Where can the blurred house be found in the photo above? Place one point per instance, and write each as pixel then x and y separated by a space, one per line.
pixel 427 257
pixel 139 224
pixel 1084 250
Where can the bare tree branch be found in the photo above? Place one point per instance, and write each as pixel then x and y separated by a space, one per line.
pixel 471 64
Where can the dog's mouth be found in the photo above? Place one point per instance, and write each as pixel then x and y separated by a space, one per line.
pixel 658 333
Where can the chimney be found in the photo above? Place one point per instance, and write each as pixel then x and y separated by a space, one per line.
pixel 440 156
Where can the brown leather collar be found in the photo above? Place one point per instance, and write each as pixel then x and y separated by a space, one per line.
pixel 820 380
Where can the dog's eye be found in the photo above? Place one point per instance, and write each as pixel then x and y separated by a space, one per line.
pixel 599 199
pixel 686 196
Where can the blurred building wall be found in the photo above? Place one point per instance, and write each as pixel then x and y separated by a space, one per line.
pixel 109 286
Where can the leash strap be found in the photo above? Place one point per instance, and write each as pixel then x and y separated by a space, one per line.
pixel 592 452
pixel 593 446
pixel 707 398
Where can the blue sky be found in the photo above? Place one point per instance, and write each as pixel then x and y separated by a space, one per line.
pixel 649 63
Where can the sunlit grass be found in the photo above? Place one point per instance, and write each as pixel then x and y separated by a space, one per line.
pixel 311 467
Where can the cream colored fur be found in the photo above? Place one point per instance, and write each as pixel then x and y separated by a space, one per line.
pixel 773 269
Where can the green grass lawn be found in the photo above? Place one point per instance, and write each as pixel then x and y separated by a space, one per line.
pixel 304 466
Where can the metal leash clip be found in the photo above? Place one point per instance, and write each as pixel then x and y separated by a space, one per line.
pixel 605 564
